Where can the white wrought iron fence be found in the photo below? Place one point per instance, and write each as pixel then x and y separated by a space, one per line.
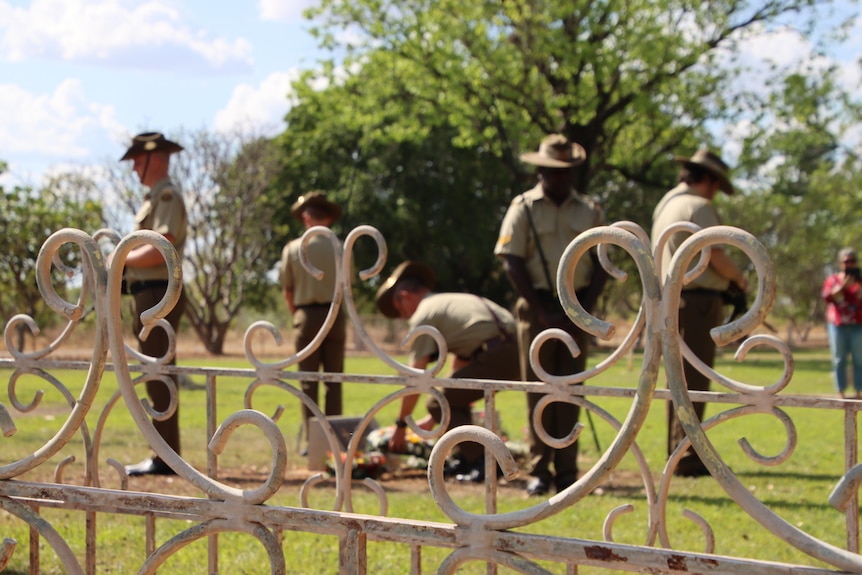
pixel 508 540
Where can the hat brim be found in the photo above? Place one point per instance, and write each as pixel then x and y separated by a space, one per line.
pixel 544 160
pixel 407 269
pixel 541 160
pixel 723 183
pixel 137 149
pixel 333 208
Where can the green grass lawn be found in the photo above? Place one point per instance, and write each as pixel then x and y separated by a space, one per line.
pixel 797 490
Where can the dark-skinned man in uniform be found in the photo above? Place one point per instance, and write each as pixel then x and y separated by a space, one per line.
pixel 537 228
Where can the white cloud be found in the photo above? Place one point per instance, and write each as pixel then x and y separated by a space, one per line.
pixel 148 34
pixel 53 129
pixel 261 107
pixel 850 71
pixel 283 10
pixel 788 50
pixel 59 126
pixel 783 48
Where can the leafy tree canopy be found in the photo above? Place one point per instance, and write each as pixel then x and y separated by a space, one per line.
pixel 29 216
pixel 633 82
pixel 424 84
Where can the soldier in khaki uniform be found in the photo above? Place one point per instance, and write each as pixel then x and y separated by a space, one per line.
pixel 146 275
pixel 537 228
pixel 309 300
pixel 478 332
pixel 701 309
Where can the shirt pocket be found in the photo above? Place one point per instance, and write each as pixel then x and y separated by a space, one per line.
pixel 581 219
pixel 546 228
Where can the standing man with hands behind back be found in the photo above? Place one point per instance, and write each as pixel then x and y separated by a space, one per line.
pixel 702 306
pixel 536 230
pixel 309 300
pixel 146 275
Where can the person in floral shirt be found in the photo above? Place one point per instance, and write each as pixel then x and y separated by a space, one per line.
pixel 843 297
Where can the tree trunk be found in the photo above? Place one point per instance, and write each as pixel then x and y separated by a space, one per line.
pixel 212 334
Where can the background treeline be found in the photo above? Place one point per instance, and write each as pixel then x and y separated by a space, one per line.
pixel 416 122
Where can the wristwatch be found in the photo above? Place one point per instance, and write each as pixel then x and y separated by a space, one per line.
pixel 400 423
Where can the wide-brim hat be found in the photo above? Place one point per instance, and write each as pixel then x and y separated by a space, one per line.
pixel 406 269
pixel 712 164
pixel 556 151
pixel 315 198
pixel 150 142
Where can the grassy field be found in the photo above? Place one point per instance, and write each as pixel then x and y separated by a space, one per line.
pixel 797 490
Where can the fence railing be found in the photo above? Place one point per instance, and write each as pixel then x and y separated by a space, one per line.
pixel 499 539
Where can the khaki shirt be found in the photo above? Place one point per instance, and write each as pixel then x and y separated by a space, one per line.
pixel 556 225
pixel 306 289
pixel 164 212
pixel 465 320
pixel 681 204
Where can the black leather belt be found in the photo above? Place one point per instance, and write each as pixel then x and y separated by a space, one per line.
pixel 702 291
pixel 314 305
pixel 489 345
pixel 137 287
pixel 547 295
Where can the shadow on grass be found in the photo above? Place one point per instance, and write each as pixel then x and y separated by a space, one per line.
pixel 770 503
pixel 819 364
pixel 631 492
pixel 799 476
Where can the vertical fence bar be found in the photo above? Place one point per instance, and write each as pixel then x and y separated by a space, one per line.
pixel 415 560
pixel 353 559
pixel 34 548
pixel 212 465
pixel 150 521
pixel 91 543
pixel 491 466
pixel 490 462
pixel 851 454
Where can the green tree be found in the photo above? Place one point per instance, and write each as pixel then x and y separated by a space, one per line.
pixel 417 193
pixel 633 82
pixel 805 198
pixel 29 216
pixel 225 179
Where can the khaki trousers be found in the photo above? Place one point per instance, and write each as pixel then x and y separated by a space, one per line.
pixel 307 321
pixel 500 363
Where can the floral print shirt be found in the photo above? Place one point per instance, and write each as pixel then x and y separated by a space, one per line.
pixel 845 307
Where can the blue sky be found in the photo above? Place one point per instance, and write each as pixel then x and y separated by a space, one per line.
pixel 78 77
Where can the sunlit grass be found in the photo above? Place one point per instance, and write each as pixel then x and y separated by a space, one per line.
pixel 797 490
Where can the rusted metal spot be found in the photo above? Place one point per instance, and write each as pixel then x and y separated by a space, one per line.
pixel 598 553
pixel 677 563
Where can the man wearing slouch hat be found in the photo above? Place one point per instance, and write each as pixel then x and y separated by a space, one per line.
pixel 146 275
pixel 537 228
pixel 701 177
pixel 309 300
